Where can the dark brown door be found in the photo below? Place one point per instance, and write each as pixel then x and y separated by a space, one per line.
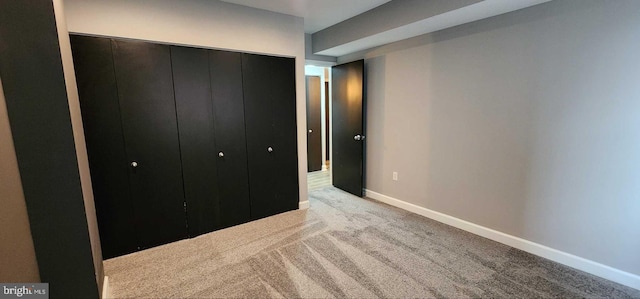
pixel 93 63
pixel 148 111
pixel 209 101
pixel 197 144
pixel 326 120
pixel 314 124
pixel 348 103
pixel 231 145
pixel 270 121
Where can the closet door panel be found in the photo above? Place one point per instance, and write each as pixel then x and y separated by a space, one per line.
pixel 228 109
pixel 93 63
pixel 271 124
pixel 145 89
pixel 258 108
pixel 285 133
pixel 197 144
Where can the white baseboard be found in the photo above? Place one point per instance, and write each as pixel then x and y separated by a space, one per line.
pixel 303 205
pixel 106 294
pixel 555 255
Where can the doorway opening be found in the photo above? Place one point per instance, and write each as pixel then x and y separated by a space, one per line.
pixel 318 126
pixel 336 117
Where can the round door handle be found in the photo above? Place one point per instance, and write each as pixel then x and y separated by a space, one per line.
pixel 220 154
pixel 269 149
pixel 357 137
pixel 134 164
pixel 310 131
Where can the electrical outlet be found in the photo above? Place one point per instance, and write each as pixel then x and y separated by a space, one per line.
pixel 395 176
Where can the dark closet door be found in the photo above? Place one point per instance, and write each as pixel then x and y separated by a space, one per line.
pixel 197 144
pixel 231 145
pixel 314 124
pixel 93 62
pixel 147 106
pixel 348 106
pixel 282 80
pixel 269 98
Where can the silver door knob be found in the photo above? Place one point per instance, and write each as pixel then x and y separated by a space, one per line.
pixel 220 154
pixel 269 149
pixel 310 131
pixel 357 137
pixel 134 164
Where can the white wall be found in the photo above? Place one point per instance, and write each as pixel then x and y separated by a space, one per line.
pixel 526 123
pixel 207 24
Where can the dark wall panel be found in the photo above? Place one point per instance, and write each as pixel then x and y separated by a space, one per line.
pixel 37 104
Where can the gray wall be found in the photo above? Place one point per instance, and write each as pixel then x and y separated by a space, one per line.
pixel 313 58
pixel 527 123
pixel 17 257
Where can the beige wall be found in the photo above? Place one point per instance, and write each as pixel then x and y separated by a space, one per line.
pixel 78 136
pixel 526 123
pixel 208 24
pixel 17 256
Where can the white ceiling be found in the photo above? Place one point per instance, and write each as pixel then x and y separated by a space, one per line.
pixel 317 14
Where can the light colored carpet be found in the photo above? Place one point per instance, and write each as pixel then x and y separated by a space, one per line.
pixel 347 247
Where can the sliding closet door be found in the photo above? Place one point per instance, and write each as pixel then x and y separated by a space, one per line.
pixel 269 94
pixel 231 145
pixel 98 93
pixel 197 144
pixel 147 106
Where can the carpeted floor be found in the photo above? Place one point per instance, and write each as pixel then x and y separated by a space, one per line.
pixel 347 247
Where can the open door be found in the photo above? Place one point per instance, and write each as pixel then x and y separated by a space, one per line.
pixel 348 103
pixel 314 124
